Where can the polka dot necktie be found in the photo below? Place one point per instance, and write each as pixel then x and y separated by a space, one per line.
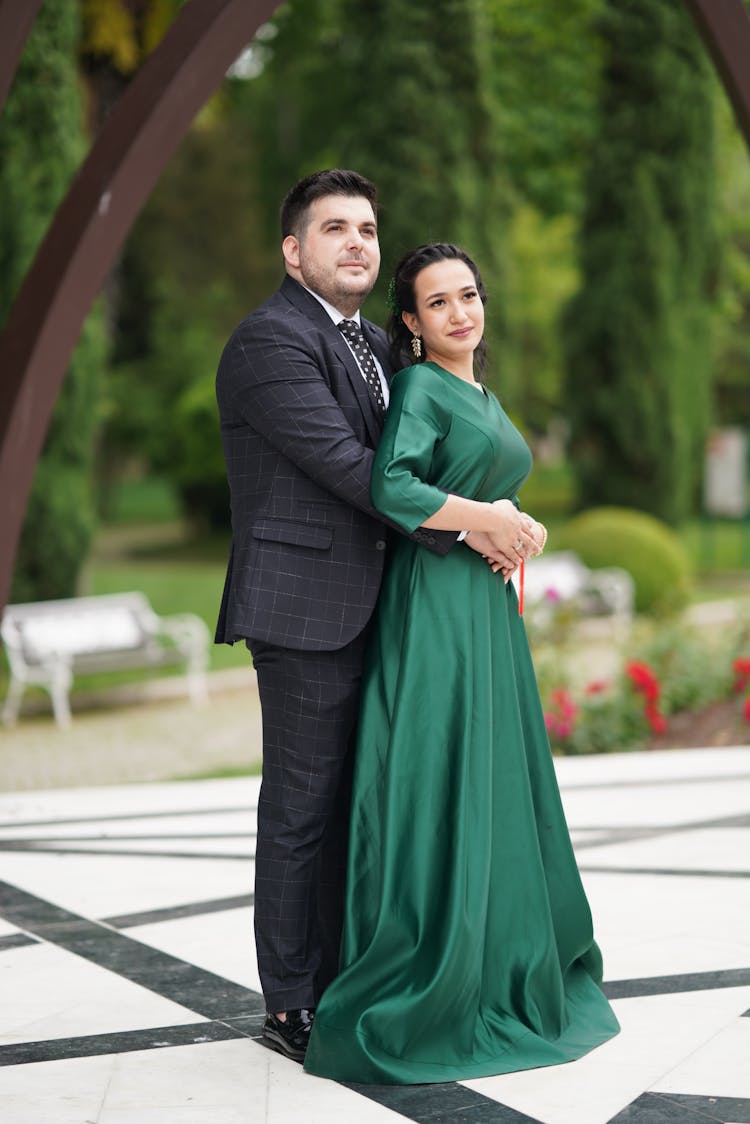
pixel 352 332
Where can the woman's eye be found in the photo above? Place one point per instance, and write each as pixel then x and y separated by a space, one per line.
pixel 470 296
pixel 438 303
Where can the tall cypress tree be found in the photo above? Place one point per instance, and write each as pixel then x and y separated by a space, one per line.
pixel 638 331
pixel 424 124
pixel 404 93
pixel 41 144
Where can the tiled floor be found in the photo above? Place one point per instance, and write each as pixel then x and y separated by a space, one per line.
pixel 128 989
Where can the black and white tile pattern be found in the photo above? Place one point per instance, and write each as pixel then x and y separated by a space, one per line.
pixel 130 994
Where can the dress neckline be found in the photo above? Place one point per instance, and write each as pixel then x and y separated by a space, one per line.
pixel 476 385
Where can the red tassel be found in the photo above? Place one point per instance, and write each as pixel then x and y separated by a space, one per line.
pixel 520 587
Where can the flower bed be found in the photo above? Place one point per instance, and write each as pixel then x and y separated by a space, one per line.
pixel 680 687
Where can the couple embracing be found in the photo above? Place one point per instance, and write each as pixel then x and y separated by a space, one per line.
pixel 419 916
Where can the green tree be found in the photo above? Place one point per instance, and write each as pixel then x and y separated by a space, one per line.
pixel 404 94
pixel 41 143
pixel 195 263
pixel 732 384
pixel 638 332
pixel 545 70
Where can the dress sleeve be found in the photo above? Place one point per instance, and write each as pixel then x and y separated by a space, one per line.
pixel 399 486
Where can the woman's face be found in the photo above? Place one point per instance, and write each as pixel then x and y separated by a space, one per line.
pixel 449 312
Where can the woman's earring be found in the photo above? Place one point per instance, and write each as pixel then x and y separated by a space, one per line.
pixel 416 346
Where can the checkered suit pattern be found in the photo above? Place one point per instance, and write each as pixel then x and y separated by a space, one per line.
pixel 299 430
pixel 309 702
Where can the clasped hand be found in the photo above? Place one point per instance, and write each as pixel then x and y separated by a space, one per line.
pixel 515 537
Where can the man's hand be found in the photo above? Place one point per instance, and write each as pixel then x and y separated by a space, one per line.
pixel 483 544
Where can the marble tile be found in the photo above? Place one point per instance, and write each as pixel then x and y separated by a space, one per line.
pixel 657 1032
pixel 69 1092
pixel 49 993
pixel 713 849
pixel 720 1067
pixel 164 824
pixel 221 942
pixel 686 1045
pixel 653 766
pixel 135 799
pixel 649 925
pixel 219 1079
pixel 679 1108
pixel 7 929
pixel 101 886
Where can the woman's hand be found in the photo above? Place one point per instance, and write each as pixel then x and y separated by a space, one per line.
pixel 537 531
pixel 511 536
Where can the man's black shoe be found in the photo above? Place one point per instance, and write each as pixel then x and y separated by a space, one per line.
pixel 291 1037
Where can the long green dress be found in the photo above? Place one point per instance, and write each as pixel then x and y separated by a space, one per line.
pixel 468 946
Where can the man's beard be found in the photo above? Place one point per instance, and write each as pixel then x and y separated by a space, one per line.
pixel 334 290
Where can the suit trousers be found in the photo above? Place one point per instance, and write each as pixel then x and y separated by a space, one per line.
pixel 309 702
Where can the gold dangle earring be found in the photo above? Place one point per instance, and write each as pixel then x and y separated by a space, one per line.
pixel 416 346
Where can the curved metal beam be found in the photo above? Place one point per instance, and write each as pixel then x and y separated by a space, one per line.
pixel 16 21
pixel 725 28
pixel 90 226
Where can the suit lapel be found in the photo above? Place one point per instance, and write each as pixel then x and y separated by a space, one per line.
pixel 306 303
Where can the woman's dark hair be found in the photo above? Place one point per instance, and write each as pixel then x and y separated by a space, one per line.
pixel 407 270
pixel 294 215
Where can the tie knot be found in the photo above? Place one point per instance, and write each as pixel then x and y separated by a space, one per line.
pixel 348 326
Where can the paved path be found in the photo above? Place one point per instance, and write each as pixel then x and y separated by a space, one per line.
pixel 130 996
pixel 146 732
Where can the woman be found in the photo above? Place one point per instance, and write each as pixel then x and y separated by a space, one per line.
pixel 468 946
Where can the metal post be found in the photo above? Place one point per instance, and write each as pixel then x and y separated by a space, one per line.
pixel 725 28
pixel 16 21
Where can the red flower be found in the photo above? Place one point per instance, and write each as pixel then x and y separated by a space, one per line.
pixel 560 718
pixel 645 682
pixel 597 686
pixel 741 669
pixel 655 719
pixel 643 679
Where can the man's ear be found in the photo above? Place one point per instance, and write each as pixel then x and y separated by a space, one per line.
pixel 290 250
pixel 411 322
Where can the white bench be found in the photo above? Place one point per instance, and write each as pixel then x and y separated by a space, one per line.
pixel 561 576
pixel 48 642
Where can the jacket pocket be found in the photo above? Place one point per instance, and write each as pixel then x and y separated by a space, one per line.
pixel 292 533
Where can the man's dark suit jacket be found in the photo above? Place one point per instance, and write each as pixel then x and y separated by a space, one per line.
pixel 299 431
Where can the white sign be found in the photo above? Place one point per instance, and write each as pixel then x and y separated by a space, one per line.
pixel 725 479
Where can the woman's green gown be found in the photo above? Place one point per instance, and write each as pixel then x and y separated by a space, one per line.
pixel 468 946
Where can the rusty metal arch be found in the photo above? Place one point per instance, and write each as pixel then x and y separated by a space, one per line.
pixel 119 173
pixel 91 223
pixel 16 21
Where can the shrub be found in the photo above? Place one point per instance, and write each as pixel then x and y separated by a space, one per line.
pixel 694 667
pixel 650 552
pixel 198 470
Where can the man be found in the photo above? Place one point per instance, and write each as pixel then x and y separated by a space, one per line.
pixel 301 399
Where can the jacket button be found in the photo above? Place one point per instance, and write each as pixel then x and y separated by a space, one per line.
pixel 380 544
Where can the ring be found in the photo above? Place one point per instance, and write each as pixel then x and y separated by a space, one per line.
pixel 519 544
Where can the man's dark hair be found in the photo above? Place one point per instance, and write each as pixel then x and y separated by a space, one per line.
pixel 335 181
